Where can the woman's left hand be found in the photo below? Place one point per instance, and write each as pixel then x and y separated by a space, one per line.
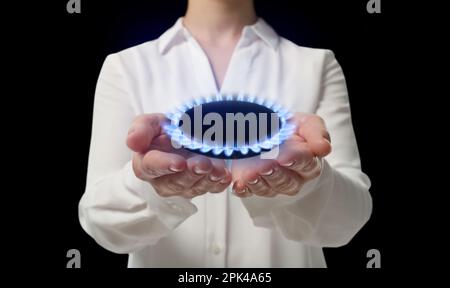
pixel 297 162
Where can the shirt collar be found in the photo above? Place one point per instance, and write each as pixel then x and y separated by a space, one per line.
pixel 178 33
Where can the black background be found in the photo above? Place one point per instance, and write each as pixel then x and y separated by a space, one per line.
pixel 70 49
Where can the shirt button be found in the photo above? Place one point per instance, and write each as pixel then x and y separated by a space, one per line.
pixel 216 249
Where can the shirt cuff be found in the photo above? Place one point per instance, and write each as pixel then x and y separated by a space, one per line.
pixel 259 207
pixel 171 211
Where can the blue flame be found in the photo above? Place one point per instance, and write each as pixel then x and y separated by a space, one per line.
pixel 175 133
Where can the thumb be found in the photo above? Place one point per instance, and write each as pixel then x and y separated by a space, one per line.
pixel 313 129
pixel 143 130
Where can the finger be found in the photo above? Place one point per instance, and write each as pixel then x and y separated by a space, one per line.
pixel 162 142
pixel 241 190
pixel 295 156
pixel 220 186
pixel 205 185
pixel 283 181
pixel 313 129
pixel 219 170
pixel 157 163
pixel 198 167
pixel 169 186
pixel 311 169
pixel 247 171
pixel 259 187
pixel 216 181
pixel 248 174
pixel 143 130
pixel 219 178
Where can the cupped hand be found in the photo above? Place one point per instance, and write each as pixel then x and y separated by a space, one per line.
pixel 172 172
pixel 298 161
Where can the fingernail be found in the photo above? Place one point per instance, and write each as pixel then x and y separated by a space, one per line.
pixel 267 173
pixel 253 182
pixel 241 191
pixel 326 140
pixel 289 164
pixel 174 169
pixel 311 164
pixel 214 178
pixel 199 171
pixel 224 181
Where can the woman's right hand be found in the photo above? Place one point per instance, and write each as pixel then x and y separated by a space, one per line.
pixel 172 172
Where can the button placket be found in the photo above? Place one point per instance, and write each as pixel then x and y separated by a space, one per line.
pixel 217 204
pixel 216 229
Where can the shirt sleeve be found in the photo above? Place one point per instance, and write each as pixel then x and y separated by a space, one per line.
pixel 330 209
pixel 122 213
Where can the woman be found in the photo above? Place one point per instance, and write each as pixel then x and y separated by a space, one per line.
pixel 169 209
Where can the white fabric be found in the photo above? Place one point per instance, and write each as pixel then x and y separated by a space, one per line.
pixel 125 215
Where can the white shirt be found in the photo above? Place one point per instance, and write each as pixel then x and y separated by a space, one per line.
pixel 125 215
